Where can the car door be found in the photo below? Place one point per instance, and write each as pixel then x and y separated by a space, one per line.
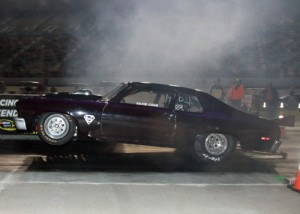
pixel 142 115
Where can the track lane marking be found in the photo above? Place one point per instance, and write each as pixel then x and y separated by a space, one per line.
pixel 143 184
pixel 10 178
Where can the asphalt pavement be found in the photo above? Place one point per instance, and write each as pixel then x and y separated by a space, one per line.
pixel 103 192
pixel 136 179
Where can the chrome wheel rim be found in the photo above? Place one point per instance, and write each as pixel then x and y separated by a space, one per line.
pixel 56 126
pixel 216 144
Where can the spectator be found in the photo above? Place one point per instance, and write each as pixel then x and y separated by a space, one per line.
pixel 292 90
pixel 247 102
pixel 270 97
pixel 28 89
pixel 236 93
pixel 53 89
pixel 291 101
pixel 217 90
pixel 40 89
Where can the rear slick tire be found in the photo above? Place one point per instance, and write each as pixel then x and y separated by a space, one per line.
pixel 56 129
pixel 213 148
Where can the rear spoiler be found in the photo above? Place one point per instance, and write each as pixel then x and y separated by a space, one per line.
pixel 286 121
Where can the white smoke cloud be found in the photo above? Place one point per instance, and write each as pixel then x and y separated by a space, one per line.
pixel 158 40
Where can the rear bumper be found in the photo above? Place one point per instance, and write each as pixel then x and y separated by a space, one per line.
pixel 269 146
pixel 275 146
pixel 20 123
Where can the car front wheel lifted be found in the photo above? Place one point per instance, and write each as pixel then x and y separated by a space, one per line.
pixel 56 129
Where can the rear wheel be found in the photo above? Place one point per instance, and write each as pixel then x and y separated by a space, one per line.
pixel 213 147
pixel 56 129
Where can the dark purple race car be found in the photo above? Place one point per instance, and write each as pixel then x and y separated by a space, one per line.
pixel 150 114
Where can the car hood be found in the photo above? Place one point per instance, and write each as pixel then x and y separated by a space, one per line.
pixel 66 95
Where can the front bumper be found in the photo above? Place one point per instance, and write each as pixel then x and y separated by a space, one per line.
pixel 20 123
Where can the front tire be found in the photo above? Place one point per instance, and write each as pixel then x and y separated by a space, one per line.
pixel 213 147
pixel 56 129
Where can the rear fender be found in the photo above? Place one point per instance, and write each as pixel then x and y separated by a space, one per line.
pixel 34 122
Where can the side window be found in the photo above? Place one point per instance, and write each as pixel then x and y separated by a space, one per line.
pixel 188 103
pixel 151 98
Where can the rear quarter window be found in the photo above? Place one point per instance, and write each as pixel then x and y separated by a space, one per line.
pixel 210 103
pixel 188 103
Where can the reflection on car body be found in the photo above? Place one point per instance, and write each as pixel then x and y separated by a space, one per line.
pixel 192 121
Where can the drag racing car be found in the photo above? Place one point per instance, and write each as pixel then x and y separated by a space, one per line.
pixel 192 121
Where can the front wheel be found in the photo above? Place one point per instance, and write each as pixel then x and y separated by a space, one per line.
pixel 213 147
pixel 56 129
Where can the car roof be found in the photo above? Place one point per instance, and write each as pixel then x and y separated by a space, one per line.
pixel 166 86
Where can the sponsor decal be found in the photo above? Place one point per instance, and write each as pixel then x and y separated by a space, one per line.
pixel 89 118
pixel 8 113
pixel 7 125
pixel 7 107
pixel 147 104
pixel 8 102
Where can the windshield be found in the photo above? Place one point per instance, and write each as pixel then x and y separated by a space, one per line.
pixel 114 92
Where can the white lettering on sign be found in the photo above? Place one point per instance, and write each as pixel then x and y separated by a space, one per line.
pixel 8 102
pixel 8 113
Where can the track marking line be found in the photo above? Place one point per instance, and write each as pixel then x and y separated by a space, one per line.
pixel 10 178
pixel 142 184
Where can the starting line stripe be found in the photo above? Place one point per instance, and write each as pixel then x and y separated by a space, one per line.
pixel 144 184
